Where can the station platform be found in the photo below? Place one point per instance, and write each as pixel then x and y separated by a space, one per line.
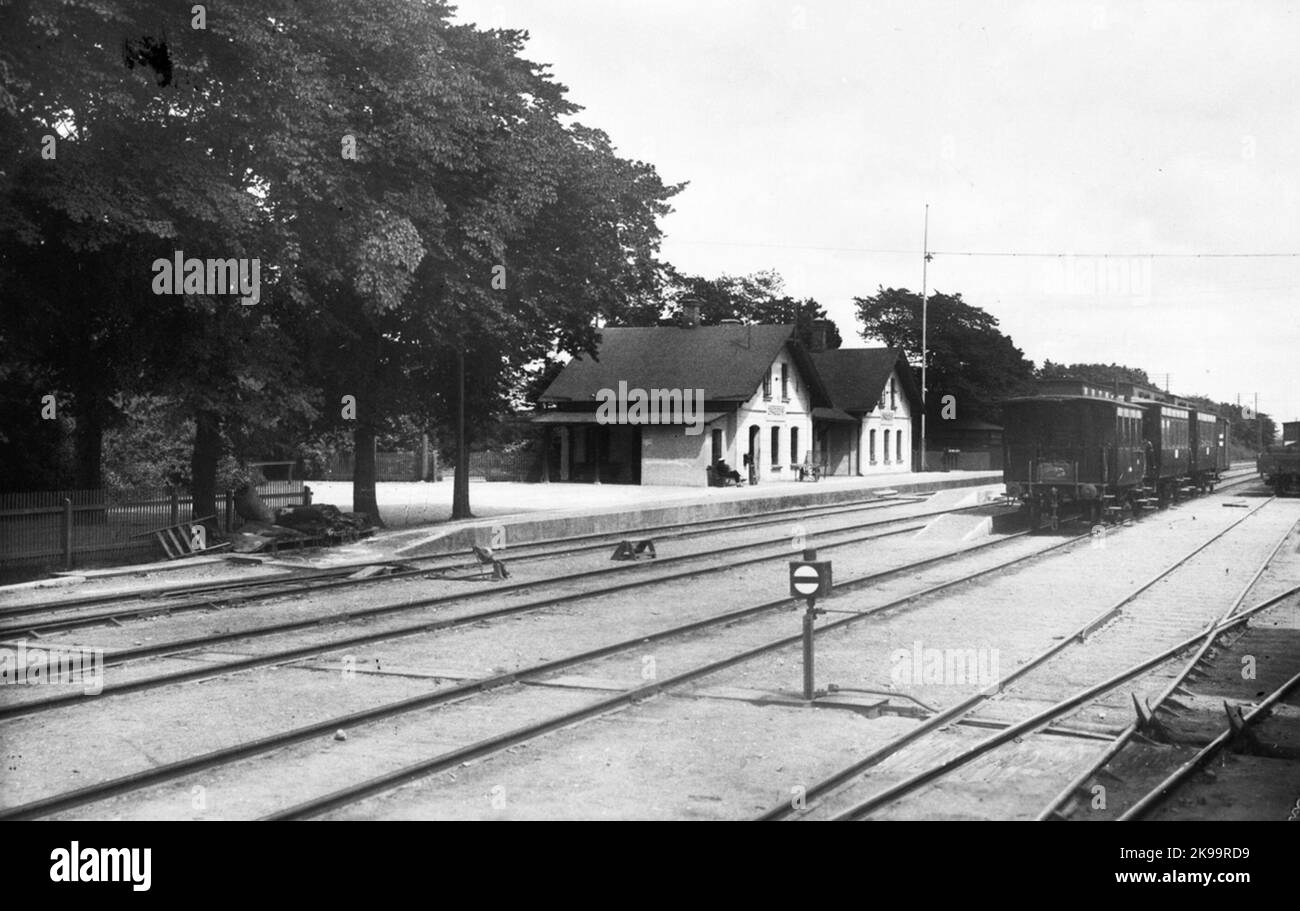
pixel 418 519
pixel 527 513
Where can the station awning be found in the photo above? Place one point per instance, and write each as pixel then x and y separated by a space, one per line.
pixel 589 417
pixel 833 414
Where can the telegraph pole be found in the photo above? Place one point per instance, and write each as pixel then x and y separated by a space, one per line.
pixel 925 261
pixel 460 489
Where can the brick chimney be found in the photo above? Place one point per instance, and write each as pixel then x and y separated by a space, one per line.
pixel 819 331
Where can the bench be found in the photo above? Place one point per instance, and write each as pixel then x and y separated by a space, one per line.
pixel 809 470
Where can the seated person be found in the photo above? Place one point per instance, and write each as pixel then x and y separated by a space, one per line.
pixel 725 471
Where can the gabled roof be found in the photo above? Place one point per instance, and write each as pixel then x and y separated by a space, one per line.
pixel 855 377
pixel 728 361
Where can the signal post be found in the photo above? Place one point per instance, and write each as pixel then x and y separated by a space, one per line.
pixel 810 579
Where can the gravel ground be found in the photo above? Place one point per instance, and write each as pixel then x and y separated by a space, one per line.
pixel 705 751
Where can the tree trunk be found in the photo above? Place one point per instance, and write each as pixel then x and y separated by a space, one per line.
pixel 364 496
pixel 203 463
pixel 89 447
pixel 460 488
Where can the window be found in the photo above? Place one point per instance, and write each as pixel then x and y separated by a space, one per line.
pixel 871 446
pixel 898 446
pixel 794 445
pixel 893 395
pixel 717 446
pixel 886 447
pixel 785 382
pixel 882 398
pixel 767 385
pixel 776 446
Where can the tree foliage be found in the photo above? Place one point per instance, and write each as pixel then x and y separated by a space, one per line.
pixel 757 298
pixel 1101 374
pixel 417 192
pixel 968 356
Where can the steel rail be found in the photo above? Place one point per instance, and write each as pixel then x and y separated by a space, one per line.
pixel 303 586
pixel 311 575
pixel 1161 791
pixel 168 771
pixel 292 585
pixel 177 647
pixel 1029 725
pixel 1122 739
pixel 132 782
pixel 124 655
pixel 825 785
pixel 495 744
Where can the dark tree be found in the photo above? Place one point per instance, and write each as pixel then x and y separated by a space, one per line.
pixel 758 298
pixel 969 357
pixel 1100 374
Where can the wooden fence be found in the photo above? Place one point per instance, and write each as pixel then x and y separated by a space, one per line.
pixel 63 529
pixel 389 466
pixel 515 465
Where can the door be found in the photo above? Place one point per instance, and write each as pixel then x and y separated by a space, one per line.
pixel 753 455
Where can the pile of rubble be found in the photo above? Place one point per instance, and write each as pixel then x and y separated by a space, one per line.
pixel 264 528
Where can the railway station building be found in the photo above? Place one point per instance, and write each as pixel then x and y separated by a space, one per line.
pixel 661 405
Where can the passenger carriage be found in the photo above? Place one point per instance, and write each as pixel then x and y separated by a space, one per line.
pixel 1074 450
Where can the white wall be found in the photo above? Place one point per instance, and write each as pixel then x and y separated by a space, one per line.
pixel 669 456
pixel 758 412
pixel 897 420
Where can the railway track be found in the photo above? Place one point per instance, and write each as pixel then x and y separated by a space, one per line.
pixel 779 548
pixel 1221 704
pixel 206 596
pixel 474 688
pixel 470 689
pixel 925 787
pixel 352 794
pixel 1234 729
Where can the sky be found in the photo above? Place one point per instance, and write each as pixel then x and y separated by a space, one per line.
pixel 813 136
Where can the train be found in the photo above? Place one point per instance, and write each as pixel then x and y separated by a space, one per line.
pixel 1111 451
pixel 1280 465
